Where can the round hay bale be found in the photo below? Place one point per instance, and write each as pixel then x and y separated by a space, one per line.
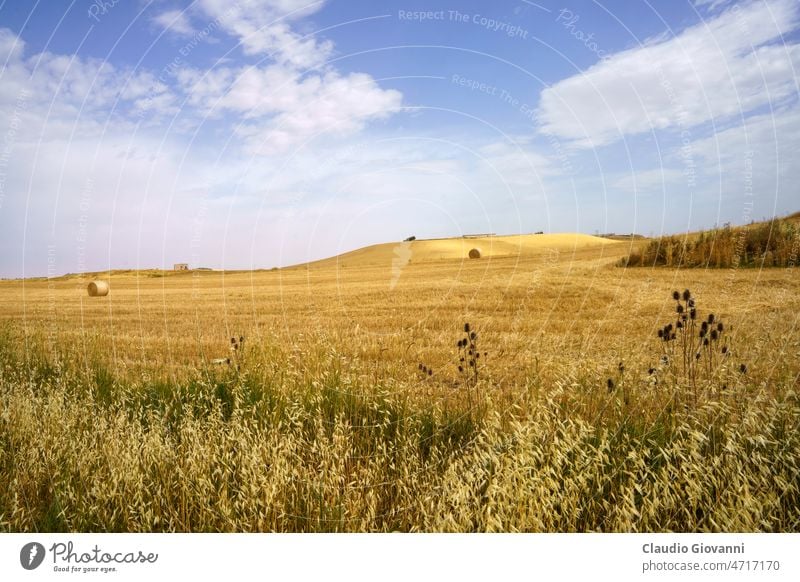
pixel 98 289
pixel 474 253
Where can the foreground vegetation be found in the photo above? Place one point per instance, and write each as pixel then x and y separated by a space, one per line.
pixel 588 408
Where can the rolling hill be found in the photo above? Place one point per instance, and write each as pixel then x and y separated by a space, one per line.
pixel 430 250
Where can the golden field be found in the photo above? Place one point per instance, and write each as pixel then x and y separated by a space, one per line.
pixel 117 414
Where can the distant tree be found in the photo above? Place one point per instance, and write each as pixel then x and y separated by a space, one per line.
pixel 409 239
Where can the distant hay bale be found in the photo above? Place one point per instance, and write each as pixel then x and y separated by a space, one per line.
pixel 474 253
pixel 98 289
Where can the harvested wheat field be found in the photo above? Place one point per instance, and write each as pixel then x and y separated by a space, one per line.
pixel 406 387
pixel 520 246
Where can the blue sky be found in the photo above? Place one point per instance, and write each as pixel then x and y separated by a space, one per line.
pixel 261 133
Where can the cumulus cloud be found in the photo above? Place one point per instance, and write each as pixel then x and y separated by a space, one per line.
pixel 341 106
pixel 263 27
pixel 292 94
pixel 176 21
pixel 11 47
pixel 728 66
pixel 61 89
pixel 279 107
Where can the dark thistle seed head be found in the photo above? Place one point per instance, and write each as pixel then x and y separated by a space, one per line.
pixel 724 349
pixel 621 367
pixel 686 294
pixel 743 368
pixel 668 328
pixel 714 334
pixel 698 513
pixel 610 384
pixel 241 339
pixel 720 327
pixel 420 366
pixel 704 326
pixel 693 313
pixel 690 303
pixel 473 336
pixel 472 363
pixel 651 371
pixel 684 317
pixel 710 318
pixel 676 296
pixel 724 386
pixel 679 308
pixel 660 333
pixel 665 359
pixel 679 325
pixel 461 368
pixel 233 340
pixel 705 341
pixel 430 372
pixel 673 336
pixel 697 356
pixel 477 354
pixel 466 328
pixel 702 333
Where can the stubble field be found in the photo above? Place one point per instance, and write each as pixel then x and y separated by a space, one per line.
pixel 328 397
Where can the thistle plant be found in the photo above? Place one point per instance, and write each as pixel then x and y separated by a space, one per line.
pixel 469 355
pixel 701 347
pixel 237 351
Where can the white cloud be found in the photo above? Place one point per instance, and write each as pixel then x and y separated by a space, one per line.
pixel 724 67
pixel 175 21
pixel 710 5
pixel 61 89
pixel 11 47
pixel 296 95
pixel 263 27
pixel 283 107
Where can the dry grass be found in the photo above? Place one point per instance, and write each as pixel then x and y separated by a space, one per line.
pixel 774 243
pixel 115 418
